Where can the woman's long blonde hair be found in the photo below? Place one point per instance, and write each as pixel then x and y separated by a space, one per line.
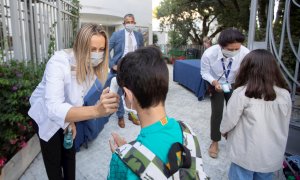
pixel 81 48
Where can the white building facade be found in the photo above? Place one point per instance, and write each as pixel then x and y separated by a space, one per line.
pixel 162 37
pixel 110 14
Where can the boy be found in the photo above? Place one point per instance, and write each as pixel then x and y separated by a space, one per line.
pixel 144 77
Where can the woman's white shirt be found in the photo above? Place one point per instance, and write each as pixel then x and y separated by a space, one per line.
pixel 257 130
pixel 56 94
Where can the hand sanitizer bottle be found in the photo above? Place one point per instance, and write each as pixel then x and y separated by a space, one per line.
pixel 68 138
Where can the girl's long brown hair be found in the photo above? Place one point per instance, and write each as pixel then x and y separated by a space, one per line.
pixel 259 72
pixel 81 48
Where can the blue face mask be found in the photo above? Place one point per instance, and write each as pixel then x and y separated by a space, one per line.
pixel 97 58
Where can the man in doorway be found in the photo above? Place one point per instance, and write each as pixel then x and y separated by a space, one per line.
pixel 219 65
pixel 122 42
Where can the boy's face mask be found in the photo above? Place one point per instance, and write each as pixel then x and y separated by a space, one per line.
pixel 130 110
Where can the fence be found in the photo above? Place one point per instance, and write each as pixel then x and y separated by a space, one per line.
pixel 285 46
pixel 185 52
pixel 278 48
pixel 34 29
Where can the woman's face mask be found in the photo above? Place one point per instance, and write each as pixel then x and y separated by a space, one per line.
pixel 97 58
pixel 230 54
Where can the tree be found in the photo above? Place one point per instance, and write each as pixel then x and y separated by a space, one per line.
pixel 288 56
pixel 195 19
pixel 176 39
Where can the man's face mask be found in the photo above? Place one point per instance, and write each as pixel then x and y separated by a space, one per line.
pixel 97 58
pixel 230 54
pixel 129 27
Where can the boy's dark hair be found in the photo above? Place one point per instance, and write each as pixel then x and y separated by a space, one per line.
pixel 230 35
pixel 260 72
pixel 145 73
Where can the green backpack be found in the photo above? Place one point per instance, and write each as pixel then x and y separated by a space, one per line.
pixel 185 160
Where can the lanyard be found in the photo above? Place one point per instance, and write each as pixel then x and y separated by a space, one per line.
pixel 226 73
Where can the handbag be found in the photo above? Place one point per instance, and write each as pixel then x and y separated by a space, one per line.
pixel 89 129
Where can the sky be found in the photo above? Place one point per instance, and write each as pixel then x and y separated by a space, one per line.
pixel 155 3
pixel 155 22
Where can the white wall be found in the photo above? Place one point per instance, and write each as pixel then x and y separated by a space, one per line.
pixel 111 13
pixel 162 37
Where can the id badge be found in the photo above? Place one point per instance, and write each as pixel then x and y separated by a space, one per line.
pixel 226 87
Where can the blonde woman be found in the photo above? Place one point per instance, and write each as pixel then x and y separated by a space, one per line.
pixel 57 102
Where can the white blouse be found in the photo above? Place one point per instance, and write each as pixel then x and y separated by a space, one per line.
pixel 56 94
pixel 257 130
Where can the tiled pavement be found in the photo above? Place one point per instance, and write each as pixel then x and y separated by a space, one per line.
pixel 93 163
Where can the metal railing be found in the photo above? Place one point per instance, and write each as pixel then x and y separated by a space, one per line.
pixel 187 49
pixel 277 48
pixel 284 49
pixel 34 29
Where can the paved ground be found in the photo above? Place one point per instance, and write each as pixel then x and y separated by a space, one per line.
pixel 93 163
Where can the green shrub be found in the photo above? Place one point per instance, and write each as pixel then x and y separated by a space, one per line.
pixel 17 81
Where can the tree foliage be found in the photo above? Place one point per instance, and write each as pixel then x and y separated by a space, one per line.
pixel 288 56
pixel 195 19
pixel 176 39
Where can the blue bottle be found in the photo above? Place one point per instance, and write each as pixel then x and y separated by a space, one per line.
pixel 68 138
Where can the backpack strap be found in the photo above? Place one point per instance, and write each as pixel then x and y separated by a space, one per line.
pixel 143 162
pixel 93 93
pixel 179 157
pixel 190 141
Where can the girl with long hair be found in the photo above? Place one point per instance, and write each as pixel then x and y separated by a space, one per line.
pixel 256 121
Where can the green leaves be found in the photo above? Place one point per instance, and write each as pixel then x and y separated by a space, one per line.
pixel 195 19
pixel 17 81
